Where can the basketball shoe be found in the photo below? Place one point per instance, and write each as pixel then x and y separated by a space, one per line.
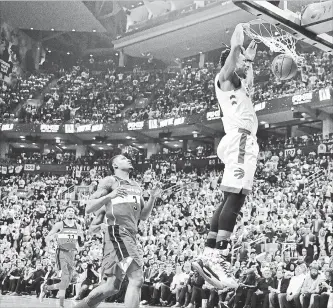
pixel 217 270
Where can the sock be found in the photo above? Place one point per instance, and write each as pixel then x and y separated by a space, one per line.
pixel 223 238
pixel 211 239
pixel 227 219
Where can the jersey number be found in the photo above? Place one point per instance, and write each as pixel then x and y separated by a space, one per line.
pixel 70 237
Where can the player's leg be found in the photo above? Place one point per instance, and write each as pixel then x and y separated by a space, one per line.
pixel 105 290
pixel 60 264
pixel 214 225
pixel 133 292
pixel 233 183
pixel 228 217
pixel 64 283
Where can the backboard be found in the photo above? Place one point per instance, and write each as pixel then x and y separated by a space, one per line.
pixel 308 21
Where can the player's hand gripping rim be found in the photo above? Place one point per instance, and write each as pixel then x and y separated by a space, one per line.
pixel 251 51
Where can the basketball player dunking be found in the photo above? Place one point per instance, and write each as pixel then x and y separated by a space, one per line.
pixel 119 200
pixel 69 235
pixel 238 150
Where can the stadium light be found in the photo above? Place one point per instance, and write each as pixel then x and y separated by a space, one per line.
pixel 93 144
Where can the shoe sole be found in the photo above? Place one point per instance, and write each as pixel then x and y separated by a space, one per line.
pixel 202 273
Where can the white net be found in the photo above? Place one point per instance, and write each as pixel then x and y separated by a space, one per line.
pixel 273 37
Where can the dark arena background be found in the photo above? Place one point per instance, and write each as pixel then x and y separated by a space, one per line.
pixel 85 81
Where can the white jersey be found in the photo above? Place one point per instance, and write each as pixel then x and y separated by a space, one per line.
pixel 237 108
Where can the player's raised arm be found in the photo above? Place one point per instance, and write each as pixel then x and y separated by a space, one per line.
pixel 147 207
pixel 250 53
pixel 237 41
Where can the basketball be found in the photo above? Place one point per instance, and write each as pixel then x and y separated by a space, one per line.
pixel 284 67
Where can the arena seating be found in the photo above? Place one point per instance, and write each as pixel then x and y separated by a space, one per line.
pixel 81 97
pixel 285 224
pixel 25 89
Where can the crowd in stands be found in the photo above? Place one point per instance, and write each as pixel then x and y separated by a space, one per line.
pixel 81 96
pixel 281 252
pixel 25 88
pixel 315 73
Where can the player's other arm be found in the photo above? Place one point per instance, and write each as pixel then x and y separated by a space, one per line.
pixel 50 237
pixel 100 196
pixel 104 195
pixel 237 41
pixel 148 207
pixel 96 224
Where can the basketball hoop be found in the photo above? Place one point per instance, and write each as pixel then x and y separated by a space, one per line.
pixel 276 39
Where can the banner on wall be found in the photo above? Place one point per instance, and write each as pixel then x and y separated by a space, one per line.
pixel 44 128
pixel 69 129
pixel 160 123
pixel 135 125
pixel 213 115
pixel 29 167
pixel 302 98
pixel 6 127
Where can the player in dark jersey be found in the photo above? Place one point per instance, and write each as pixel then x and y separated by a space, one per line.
pixel 118 200
pixel 68 234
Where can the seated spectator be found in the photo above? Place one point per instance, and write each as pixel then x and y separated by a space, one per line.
pixel 294 288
